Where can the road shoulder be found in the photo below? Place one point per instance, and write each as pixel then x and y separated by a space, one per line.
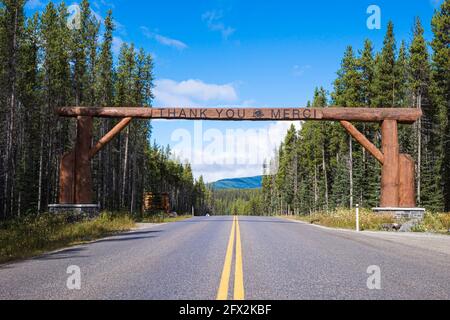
pixel 434 242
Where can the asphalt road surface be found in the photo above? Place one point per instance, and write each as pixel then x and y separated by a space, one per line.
pixel 238 258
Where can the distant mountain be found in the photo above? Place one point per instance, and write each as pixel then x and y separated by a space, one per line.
pixel 238 183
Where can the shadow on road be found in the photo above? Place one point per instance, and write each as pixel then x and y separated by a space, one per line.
pixel 6 266
pixel 72 253
pixel 137 232
pixel 115 239
pixel 64 254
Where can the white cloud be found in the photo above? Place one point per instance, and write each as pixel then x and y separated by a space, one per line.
pixel 120 28
pixel 116 45
pixel 435 3
pixel 192 93
pixel 97 16
pixel 218 153
pixel 299 71
pixel 163 39
pixel 213 21
pixel 170 42
pixel 34 4
pixel 107 4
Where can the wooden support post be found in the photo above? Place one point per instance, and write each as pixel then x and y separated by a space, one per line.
pixel 83 179
pixel 407 189
pixel 390 170
pixel 66 179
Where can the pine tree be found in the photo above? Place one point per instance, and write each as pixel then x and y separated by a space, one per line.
pixel 141 130
pixel 43 65
pixel 80 54
pixel 367 66
pixel 346 86
pixel 347 93
pixel 323 130
pixel 104 97
pixel 93 27
pixel 126 96
pixel 377 81
pixel 441 89
pixel 30 101
pixel 401 71
pixel 406 133
pixel 367 168
pixel 13 31
pixel 285 176
pixel 384 80
pixel 419 65
pixel 54 131
pixel 428 180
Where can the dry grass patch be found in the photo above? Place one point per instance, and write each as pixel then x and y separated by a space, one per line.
pixel 33 235
pixel 346 219
pixel 162 218
pixel 435 222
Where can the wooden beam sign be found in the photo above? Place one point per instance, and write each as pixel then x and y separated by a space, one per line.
pixel 401 115
pixel 236 114
pixel 397 174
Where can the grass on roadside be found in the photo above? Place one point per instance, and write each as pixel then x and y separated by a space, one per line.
pixel 435 222
pixel 162 218
pixel 33 235
pixel 345 219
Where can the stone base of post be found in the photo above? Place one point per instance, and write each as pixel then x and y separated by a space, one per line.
pixel 77 210
pixel 403 213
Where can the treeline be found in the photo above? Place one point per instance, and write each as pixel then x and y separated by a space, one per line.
pixel 237 202
pixel 320 168
pixel 46 63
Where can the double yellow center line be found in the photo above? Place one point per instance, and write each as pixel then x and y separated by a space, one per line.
pixel 238 293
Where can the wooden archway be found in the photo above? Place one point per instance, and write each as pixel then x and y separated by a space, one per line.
pixel 398 170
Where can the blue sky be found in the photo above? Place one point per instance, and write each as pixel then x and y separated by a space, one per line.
pixel 246 53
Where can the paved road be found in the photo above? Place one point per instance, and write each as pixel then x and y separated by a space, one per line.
pixel 263 258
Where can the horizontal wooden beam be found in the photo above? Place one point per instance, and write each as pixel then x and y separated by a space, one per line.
pixel 362 140
pixel 402 115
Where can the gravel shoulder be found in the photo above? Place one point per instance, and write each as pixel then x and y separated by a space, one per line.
pixel 429 241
